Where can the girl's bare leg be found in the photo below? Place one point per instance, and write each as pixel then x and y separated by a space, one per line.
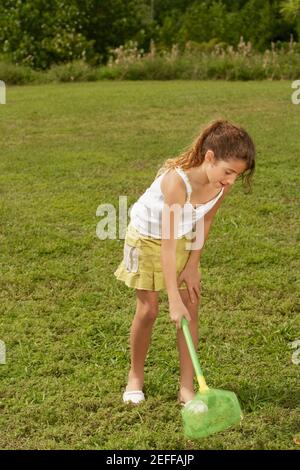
pixel 140 336
pixel 187 373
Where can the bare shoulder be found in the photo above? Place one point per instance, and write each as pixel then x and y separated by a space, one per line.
pixel 173 188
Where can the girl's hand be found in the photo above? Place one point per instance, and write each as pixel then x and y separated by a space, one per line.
pixel 192 278
pixel 177 311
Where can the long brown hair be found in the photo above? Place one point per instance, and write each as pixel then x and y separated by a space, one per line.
pixel 226 140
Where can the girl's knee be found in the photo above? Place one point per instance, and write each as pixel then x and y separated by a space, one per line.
pixel 147 305
pixel 148 313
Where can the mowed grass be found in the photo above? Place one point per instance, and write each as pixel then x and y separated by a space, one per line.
pixel 65 319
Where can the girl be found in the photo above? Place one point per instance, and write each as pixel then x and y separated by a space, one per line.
pixel 157 254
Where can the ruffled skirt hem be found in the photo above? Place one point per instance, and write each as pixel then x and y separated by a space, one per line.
pixel 153 281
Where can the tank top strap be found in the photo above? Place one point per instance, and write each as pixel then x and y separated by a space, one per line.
pixel 185 178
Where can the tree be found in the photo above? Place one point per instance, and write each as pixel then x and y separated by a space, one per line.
pixel 39 33
pixel 203 21
pixel 110 23
pixel 290 10
pixel 226 21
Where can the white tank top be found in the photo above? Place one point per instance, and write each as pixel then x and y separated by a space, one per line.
pixel 146 212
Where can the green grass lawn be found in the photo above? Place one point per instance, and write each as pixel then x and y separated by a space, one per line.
pixel 65 319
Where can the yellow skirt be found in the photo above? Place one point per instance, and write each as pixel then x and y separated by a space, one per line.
pixel 141 266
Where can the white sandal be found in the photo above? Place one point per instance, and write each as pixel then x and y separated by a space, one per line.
pixel 135 397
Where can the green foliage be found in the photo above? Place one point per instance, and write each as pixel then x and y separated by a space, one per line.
pixel 199 61
pixel 110 23
pixel 290 10
pixel 76 71
pixel 39 33
pixel 258 22
pixel 203 22
pixel 18 74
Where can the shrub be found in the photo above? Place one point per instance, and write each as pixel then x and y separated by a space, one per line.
pixel 195 62
pixel 77 71
pixel 17 74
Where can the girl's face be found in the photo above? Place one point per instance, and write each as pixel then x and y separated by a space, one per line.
pixel 224 173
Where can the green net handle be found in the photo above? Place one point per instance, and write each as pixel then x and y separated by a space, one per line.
pixel 193 354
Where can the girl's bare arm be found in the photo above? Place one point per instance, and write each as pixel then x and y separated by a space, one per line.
pixel 174 193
